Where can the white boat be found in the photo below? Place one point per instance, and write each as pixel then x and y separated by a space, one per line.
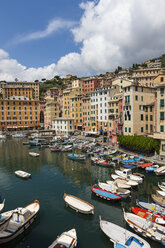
pixel 78 204
pixel 146 227
pixel 18 135
pixel 119 184
pixel 151 207
pixel 2 136
pixel 22 174
pixel 34 154
pixel 21 219
pixel 5 217
pixel 65 240
pixel 124 180
pixel 161 186
pixel 114 189
pixel 2 205
pixel 160 171
pixel 127 173
pixel 160 192
pixel 121 237
pixel 159 199
pixel 76 156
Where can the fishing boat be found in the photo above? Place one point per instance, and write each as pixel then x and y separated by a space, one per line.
pixel 121 237
pixel 114 189
pixel 161 186
pixel 5 217
pixel 34 154
pixel 151 207
pixel 157 218
pixel 144 165
pixel 152 168
pixel 127 173
pixel 125 180
pixel 160 171
pixel 65 240
pixel 102 193
pixel 146 227
pixel 22 174
pixel 76 156
pixel 21 219
pixel 159 199
pixel 78 204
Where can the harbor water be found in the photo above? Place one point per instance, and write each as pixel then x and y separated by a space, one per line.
pixel 53 174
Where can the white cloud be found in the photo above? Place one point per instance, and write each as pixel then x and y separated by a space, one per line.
pixel 111 33
pixel 53 26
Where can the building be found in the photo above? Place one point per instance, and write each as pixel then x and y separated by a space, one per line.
pixel 19 113
pixel 86 112
pixel 90 84
pixel 26 89
pixel 77 83
pixel 77 111
pixel 67 100
pixel 154 64
pixel 52 91
pixel 138 109
pixel 52 111
pixel 63 125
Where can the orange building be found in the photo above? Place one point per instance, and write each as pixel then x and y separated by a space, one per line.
pixel 86 108
pixel 90 84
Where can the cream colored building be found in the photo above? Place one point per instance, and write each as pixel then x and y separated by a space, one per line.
pixel 52 111
pixel 63 125
pixel 121 82
pixel 138 110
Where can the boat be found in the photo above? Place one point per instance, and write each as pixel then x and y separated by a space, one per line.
pixel 21 219
pixel 4 218
pixel 2 136
pixel 78 204
pixel 152 168
pixel 161 192
pixel 37 142
pixel 133 160
pixel 56 149
pixel 18 135
pixel 122 184
pixel 138 174
pixel 127 173
pixel 26 143
pixel 66 148
pixel 22 174
pixel 125 180
pixel 144 165
pixel 159 199
pixel 102 193
pixel 160 171
pixel 65 240
pixel 151 207
pixel 34 154
pixel 161 186
pixel 146 227
pixel 157 218
pixel 76 156
pixel 121 237
pixel 124 193
pixel 129 166
pixel 2 205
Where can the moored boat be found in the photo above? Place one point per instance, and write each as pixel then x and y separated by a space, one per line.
pixel 161 186
pixel 21 219
pixel 160 171
pixel 121 237
pixel 102 193
pixel 152 168
pixel 153 207
pixel 2 205
pixel 114 189
pixel 159 199
pixel 34 154
pixel 146 227
pixel 22 174
pixel 124 180
pixel 144 165
pixel 76 156
pixel 157 218
pixel 65 240
pixel 78 204
pixel 127 173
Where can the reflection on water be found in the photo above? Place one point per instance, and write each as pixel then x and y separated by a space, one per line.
pixel 53 174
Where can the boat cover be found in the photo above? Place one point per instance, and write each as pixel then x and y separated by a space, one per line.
pixel 105 193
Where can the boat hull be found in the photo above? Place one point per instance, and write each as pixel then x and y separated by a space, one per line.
pixel 104 194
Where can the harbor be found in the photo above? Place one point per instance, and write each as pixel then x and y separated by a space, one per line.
pixel 53 174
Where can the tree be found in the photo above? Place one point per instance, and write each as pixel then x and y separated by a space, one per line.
pixel 16 79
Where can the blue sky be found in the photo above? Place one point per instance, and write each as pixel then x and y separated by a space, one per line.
pixel 41 39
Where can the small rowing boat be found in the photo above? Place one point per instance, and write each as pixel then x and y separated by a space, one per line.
pixel 22 174
pixel 34 154
pixel 102 193
pixel 144 165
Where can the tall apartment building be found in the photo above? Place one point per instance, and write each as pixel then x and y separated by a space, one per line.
pixel 86 112
pixel 90 84
pixel 77 111
pixel 138 109
pixel 52 110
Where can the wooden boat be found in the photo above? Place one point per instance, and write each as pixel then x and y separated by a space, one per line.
pixel 159 199
pixel 78 204
pixel 119 185
pixel 146 227
pixel 2 205
pixel 102 193
pixel 114 189
pixel 152 168
pixel 22 174
pixel 34 154
pixel 144 165
pixel 21 219
pixel 161 186
pixel 151 207
pixel 157 218
pixel 161 192
pixel 121 237
pixel 138 174
pixel 160 171
pixel 127 173
pixel 65 240
pixel 76 156
pixel 124 180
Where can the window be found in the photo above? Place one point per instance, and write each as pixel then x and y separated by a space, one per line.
pixel 142 98
pixel 129 129
pixel 151 128
pixel 151 119
pixel 161 91
pixel 161 116
pixel 136 98
pixel 161 102
pixel 141 129
pixel 150 108
pixel 141 117
pixel 161 79
pixel 146 117
pixel 146 127
pixel 126 129
pixel 161 129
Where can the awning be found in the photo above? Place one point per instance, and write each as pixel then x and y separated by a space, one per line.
pixel 100 130
pixel 105 131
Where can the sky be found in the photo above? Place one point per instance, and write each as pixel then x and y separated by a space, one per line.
pixel 43 38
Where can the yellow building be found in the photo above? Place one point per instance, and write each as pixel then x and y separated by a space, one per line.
pixel 52 110
pixel 9 91
pixel 77 111
pixel 138 110
pixel 86 108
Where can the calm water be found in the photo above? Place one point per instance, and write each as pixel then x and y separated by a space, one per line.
pixel 52 175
